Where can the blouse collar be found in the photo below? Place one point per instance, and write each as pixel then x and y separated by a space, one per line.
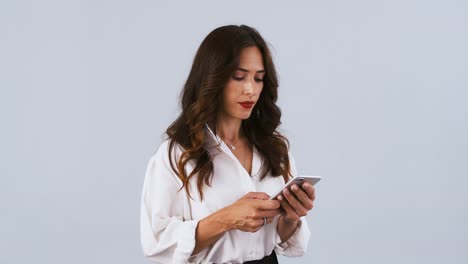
pixel 215 142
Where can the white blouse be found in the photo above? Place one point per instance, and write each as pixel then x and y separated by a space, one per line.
pixel 169 219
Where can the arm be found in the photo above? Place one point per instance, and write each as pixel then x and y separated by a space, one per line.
pixel 286 229
pixel 292 230
pixel 210 229
pixel 166 237
pixel 246 214
pixel 296 244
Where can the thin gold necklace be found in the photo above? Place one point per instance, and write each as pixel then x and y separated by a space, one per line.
pixel 233 147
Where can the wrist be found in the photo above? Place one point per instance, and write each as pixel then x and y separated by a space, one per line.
pixel 289 222
pixel 286 228
pixel 225 220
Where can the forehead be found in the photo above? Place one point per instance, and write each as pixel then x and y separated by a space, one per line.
pixel 251 59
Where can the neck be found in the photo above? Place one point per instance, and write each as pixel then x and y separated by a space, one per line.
pixel 229 128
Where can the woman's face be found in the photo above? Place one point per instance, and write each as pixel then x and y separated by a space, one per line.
pixel 244 86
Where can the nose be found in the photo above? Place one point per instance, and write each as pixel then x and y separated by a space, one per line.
pixel 249 89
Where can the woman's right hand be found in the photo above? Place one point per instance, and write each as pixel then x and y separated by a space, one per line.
pixel 247 213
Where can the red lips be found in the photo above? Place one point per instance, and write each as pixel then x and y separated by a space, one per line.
pixel 247 104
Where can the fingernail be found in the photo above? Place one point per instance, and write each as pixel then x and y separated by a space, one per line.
pixel 280 198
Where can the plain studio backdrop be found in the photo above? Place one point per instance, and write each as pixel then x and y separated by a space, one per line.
pixel 373 95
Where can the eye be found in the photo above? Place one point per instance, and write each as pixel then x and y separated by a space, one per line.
pixel 242 78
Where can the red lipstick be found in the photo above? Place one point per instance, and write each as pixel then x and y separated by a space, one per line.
pixel 247 104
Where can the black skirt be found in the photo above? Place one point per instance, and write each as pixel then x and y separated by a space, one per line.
pixel 271 259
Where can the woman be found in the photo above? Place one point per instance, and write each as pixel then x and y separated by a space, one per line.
pixel 206 190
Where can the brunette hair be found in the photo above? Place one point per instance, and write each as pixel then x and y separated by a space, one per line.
pixel 201 98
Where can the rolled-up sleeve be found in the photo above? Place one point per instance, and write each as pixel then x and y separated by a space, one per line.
pixel 166 237
pixel 296 245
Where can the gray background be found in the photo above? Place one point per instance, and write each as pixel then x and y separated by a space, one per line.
pixel 373 95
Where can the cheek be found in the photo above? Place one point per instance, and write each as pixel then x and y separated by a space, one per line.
pixel 227 102
pixel 231 93
pixel 260 89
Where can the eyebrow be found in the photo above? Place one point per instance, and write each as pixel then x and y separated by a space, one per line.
pixel 245 70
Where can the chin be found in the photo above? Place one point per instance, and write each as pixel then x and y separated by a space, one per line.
pixel 244 116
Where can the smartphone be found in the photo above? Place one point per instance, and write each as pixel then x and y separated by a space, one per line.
pixel 299 180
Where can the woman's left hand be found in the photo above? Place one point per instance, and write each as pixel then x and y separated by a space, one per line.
pixel 297 202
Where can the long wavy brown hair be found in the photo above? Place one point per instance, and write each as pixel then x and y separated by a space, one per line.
pixel 201 98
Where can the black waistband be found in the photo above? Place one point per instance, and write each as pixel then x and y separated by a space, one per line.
pixel 271 259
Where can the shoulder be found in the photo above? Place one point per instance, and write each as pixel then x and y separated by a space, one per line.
pixel 160 158
pixel 160 167
pixel 168 145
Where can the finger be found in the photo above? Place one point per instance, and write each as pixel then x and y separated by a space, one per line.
pixel 298 207
pixel 263 195
pixel 253 223
pixel 270 220
pixel 269 213
pixel 309 189
pixel 286 206
pixel 253 229
pixel 268 205
pixel 304 199
pixel 257 195
pixel 258 222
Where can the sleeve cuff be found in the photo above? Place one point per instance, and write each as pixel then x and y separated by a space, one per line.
pixel 296 245
pixel 186 243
